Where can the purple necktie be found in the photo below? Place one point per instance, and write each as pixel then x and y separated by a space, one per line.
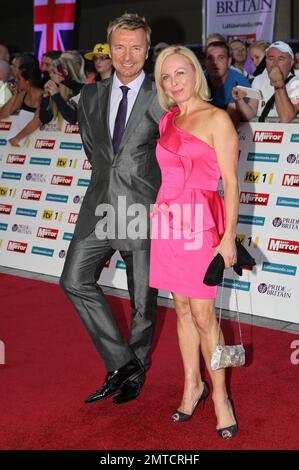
pixel 120 121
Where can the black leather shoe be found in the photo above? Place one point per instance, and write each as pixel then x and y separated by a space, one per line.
pixel 129 390
pixel 131 370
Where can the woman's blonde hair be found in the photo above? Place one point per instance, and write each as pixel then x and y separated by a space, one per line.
pixel 259 45
pixel 201 87
pixel 76 59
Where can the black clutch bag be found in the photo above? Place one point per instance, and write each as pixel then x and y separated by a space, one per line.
pixel 214 274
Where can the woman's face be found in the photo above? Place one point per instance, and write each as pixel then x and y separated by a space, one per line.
pixel 102 63
pixel 257 54
pixel 15 64
pixel 178 78
pixel 22 84
pixel 55 75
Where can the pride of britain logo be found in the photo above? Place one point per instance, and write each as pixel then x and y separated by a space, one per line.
pixel 276 290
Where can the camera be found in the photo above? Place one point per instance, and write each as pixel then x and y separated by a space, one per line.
pixel 11 81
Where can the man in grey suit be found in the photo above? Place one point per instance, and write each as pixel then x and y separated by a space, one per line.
pixel 118 120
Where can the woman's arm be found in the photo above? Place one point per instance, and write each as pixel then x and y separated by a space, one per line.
pixel 68 112
pixel 28 129
pixel 73 85
pixel 12 105
pixel 226 144
pixel 248 110
pixel 45 113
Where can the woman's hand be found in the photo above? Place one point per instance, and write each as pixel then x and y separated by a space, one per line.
pixel 227 249
pixel 14 142
pixel 51 88
pixel 13 87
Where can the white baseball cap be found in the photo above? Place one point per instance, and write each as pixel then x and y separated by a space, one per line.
pixel 281 46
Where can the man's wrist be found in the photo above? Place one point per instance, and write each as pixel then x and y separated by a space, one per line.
pixel 279 87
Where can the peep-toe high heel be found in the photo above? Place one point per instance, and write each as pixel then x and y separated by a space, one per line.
pixel 179 416
pixel 229 431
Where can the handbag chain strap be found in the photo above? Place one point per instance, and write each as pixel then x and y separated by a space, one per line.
pixel 237 308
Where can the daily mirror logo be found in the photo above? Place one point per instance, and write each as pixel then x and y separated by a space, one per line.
pixel 72 129
pixel 259 199
pixel 73 218
pixel 86 165
pixel 5 209
pixel 31 194
pixel 5 125
pixel 44 144
pixel 290 180
pixel 283 246
pixel 16 159
pixel 274 137
pixel 17 247
pixel 62 180
pixel 46 232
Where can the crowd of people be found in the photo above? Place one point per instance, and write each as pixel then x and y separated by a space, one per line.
pixel 49 92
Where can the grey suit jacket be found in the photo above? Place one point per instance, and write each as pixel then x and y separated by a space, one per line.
pixel 133 173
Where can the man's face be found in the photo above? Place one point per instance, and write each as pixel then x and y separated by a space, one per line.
pixel 4 53
pixel 282 60
pixel 239 52
pixel 128 49
pixel 46 64
pixel 217 62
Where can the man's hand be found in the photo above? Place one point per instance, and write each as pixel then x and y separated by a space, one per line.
pixel 238 94
pixel 276 76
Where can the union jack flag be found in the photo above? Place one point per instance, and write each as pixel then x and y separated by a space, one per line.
pixel 53 25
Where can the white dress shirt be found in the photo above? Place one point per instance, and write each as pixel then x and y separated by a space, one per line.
pixel 116 96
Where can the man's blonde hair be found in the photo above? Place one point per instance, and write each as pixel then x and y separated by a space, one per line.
pixel 201 87
pixel 130 21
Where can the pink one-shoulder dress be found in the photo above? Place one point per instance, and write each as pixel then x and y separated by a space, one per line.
pixel 188 216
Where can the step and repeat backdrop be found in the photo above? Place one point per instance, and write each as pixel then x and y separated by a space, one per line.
pixel 43 182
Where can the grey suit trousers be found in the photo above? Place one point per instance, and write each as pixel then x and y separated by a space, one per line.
pixel 84 263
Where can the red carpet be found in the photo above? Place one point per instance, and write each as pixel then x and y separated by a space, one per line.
pixel 51 366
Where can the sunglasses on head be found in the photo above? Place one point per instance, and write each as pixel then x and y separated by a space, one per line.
pixel 101 57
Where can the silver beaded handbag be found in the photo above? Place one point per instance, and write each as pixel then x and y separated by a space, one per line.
pixel 228 356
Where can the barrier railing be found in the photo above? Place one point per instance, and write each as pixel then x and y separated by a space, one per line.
pixel 42 185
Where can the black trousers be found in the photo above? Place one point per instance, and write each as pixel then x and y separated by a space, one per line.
pixel 84 263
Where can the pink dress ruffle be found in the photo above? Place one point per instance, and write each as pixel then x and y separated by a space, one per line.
pixel 188 216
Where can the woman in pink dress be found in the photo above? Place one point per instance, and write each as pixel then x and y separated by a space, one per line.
pixel 190 221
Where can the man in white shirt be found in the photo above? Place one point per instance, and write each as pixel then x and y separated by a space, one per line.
pixel 5 93
pixel 279 87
